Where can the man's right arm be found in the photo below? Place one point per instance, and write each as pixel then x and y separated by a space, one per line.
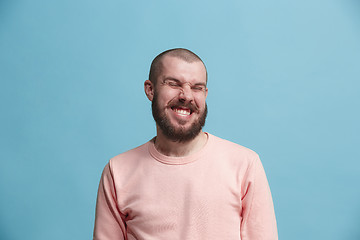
pixel 109 223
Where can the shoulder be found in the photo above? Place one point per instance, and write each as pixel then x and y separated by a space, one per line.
pixel 130 159
pixel 231 151
pixel 231 147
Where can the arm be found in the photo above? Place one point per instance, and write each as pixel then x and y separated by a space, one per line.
pixel 258 216
pixel 109 223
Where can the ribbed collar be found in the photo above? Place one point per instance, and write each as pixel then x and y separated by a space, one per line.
pixel 179 160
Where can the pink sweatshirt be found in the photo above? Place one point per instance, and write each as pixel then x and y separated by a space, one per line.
pixel 219 193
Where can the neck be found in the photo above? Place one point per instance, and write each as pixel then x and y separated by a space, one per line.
pixel 179 149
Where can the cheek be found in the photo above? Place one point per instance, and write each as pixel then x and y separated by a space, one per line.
pixel 200 100
pixel 171 94
pixel 167 97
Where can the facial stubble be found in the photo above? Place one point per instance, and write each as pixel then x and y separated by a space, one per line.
pixel 178 134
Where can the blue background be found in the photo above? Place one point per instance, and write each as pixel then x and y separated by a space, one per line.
pixel 283 81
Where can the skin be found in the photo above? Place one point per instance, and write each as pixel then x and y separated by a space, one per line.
pixel 181 89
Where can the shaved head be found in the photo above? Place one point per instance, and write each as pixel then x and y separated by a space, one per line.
pixel 181 53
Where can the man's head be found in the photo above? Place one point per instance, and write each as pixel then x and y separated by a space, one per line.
pixel 177 89
pixel 181 53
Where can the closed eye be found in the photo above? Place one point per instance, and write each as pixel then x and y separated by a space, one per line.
pixel 198 88
pixel 172 83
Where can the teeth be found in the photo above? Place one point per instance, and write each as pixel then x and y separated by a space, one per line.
pixel 182 111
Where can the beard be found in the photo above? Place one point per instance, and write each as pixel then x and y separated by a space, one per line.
pixel 178 134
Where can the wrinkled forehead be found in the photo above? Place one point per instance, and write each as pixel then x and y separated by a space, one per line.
pixel 171 65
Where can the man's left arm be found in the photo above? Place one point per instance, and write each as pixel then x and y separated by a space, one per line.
pixel 258 215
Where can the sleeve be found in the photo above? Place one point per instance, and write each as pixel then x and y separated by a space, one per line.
pixel 258 216
pixel 109 222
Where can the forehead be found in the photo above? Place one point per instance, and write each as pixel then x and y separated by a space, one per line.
pixel 173 67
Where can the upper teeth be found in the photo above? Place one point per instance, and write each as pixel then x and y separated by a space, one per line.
pixel 182 111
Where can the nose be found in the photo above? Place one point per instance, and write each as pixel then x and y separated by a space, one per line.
pixel 186 94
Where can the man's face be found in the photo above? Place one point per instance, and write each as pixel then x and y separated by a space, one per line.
pixel 179 106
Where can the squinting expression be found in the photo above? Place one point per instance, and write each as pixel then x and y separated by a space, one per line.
pixel 179 106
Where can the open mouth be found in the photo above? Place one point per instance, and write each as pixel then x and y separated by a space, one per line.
pixel 182 111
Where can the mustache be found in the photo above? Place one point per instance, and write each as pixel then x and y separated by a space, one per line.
pixel 188 105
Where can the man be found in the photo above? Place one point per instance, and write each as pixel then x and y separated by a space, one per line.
pixel 184 183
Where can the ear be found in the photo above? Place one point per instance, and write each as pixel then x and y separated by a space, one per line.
pixel 149 89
